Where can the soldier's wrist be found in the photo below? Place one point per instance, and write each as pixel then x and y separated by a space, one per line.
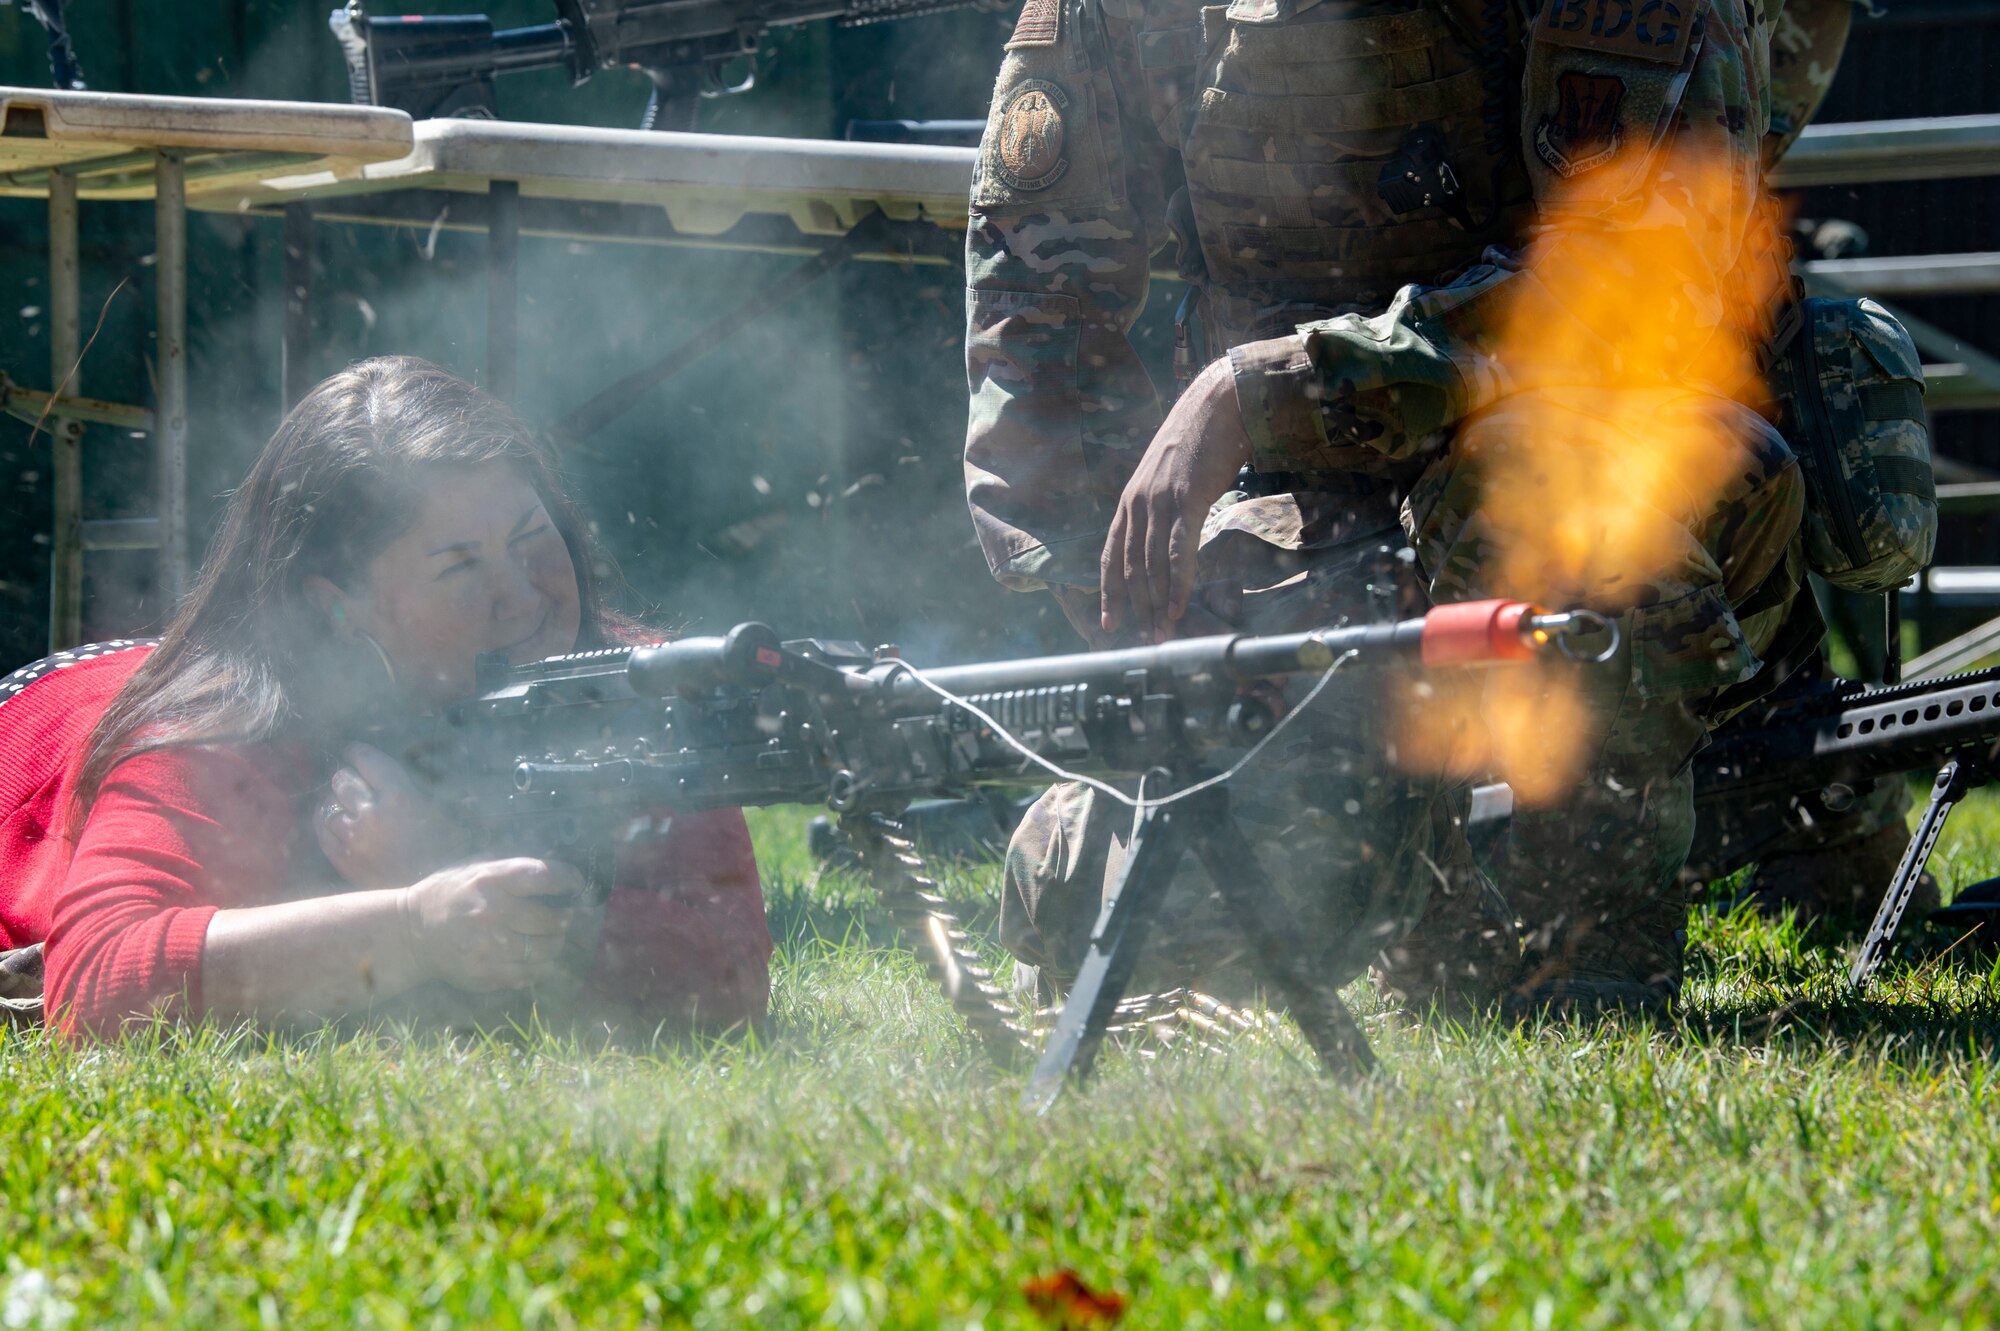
pixel 1277 392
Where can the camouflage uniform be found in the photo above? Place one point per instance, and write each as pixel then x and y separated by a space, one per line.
pixel 1841 865
pixel 1256 136
pixel 1807 38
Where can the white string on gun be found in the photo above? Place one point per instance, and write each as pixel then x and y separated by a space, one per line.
pixel 1139 803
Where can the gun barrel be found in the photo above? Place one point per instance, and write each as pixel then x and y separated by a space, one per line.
pixel 1225 658
pixel 1472 633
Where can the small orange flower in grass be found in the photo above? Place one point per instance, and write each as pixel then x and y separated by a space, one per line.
pixel 1064 1300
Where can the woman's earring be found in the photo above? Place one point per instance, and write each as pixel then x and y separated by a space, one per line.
pixel 388 667
pixel 339 616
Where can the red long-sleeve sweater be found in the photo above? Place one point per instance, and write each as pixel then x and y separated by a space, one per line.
pixel 175 835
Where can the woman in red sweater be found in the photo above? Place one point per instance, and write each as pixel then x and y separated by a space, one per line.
pixel 191 830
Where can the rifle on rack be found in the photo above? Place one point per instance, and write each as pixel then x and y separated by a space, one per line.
pixel 573 756
pixel 444 64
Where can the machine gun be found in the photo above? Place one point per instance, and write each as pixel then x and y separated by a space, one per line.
pixel 1805 760
pixel 444 64
pixel 572 756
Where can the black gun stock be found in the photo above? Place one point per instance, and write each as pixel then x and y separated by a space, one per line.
pixel 445 64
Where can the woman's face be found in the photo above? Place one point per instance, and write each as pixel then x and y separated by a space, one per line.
pixel 482 569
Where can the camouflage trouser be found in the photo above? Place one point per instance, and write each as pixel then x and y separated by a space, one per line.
pixel 1594 877
pixel 1353 847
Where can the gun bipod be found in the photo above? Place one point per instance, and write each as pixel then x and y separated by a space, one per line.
pixel 1960 775
pixel 1158 841
pixel 1162 835
pixel 910 897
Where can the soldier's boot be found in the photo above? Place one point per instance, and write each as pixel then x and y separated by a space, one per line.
pixel 1596 882
pixel 1585 964
pixel 1841 882
pixel 1463 955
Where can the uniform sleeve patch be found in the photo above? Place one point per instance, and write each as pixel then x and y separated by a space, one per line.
pixel 1030 155
pixel 1582 133
pixel 1643 29
pixel 1040 24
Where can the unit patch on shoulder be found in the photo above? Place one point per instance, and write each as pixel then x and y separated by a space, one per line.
pixel 1583 132
pixel 1645 29
pixel 1030 155
pixel 1040 24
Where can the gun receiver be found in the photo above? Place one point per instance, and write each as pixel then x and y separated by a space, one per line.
pixel 445 64
pixel 1851 736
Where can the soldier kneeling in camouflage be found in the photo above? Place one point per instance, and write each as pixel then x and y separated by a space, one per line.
pixel 1310 158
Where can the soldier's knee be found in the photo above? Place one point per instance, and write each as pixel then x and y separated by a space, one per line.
pixel 1777 490
pixel 1755 519
pixel 1051 879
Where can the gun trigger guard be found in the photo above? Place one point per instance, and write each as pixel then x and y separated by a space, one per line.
pixel 1581 620
pixel 714 87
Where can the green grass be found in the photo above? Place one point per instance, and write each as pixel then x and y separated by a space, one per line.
pixel 1782 1155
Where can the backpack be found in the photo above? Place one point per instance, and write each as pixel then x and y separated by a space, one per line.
pixel 1849 392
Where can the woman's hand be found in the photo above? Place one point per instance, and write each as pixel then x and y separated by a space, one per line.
pixel 379 829
pixel 1149 554
pixel 494 925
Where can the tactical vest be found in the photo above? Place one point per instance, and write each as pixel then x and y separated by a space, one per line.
pixel 1336 150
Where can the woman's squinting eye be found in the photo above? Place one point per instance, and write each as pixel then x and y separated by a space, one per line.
pixel 457 566
pixel 543 530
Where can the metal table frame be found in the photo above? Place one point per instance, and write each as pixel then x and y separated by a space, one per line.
pixel 71 146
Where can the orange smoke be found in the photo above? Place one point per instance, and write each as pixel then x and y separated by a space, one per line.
pixel 1583 480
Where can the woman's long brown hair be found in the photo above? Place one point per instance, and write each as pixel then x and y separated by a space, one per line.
pixel 246 657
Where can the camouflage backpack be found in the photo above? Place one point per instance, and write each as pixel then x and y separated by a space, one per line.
pixel 1850 397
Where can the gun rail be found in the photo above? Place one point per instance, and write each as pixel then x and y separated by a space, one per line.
pixel 1854 737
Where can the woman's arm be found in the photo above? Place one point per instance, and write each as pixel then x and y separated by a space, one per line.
pixel 478 927
pixel 320 957
pixel 682 939
pixel 169 906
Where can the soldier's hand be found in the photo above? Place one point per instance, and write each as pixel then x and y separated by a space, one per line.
pixel 1149 555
